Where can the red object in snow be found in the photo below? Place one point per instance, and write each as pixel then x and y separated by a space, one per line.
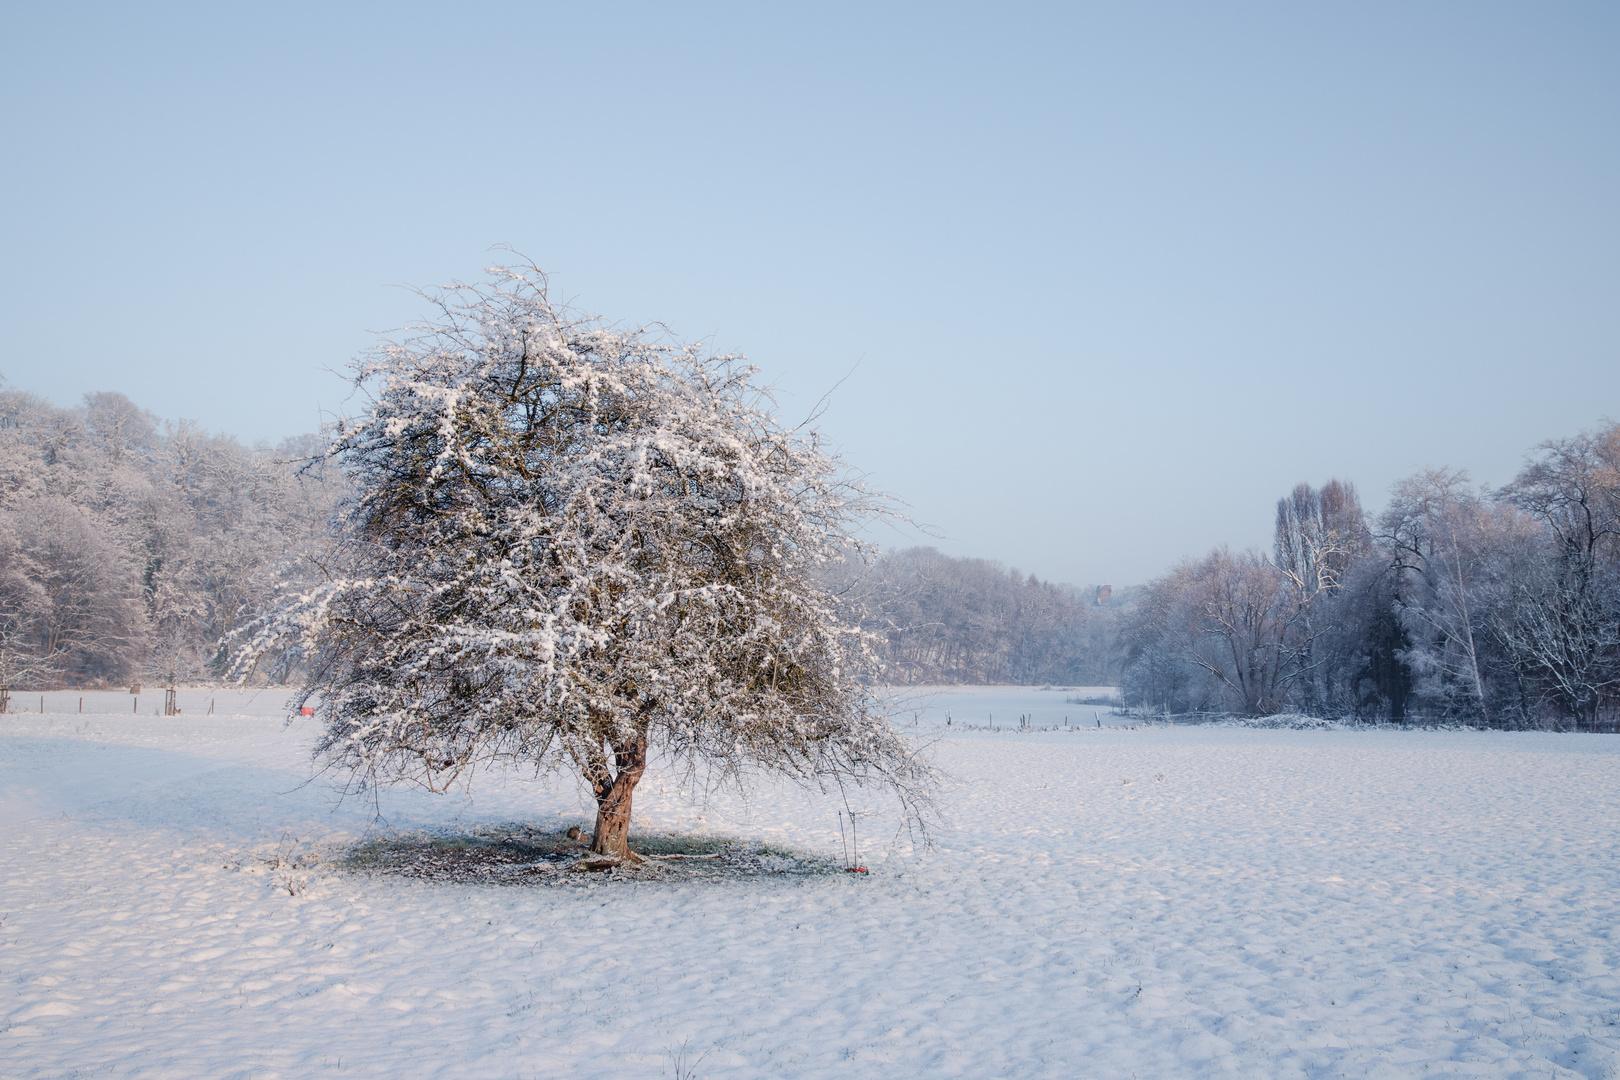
pixel 855 869
pixel 306 711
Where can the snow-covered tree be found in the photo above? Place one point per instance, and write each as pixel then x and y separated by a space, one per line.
pixel 22 603
pixel 1440 536
pixel 91 622
pixel 1563 613
pixel 572 545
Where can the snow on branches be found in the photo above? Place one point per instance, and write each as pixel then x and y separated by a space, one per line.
pixel 571 543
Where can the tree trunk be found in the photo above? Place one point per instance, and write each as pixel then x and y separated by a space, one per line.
pixel 612 835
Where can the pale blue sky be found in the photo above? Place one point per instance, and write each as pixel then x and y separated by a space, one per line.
pixel 1115 277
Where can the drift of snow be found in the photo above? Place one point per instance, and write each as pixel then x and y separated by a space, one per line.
pixel 1190 902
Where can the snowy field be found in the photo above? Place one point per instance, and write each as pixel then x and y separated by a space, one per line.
pixel 1099 903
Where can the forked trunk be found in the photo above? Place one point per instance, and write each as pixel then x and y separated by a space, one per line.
pixel 612 835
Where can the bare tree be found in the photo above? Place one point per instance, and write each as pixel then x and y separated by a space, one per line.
pixel 1564 618
pixel 1436 529
pixel 92 625
pixel 22 605
pixel 1251 628
pixel 1236 619
pixel 1159 637
pixel 1565 634
pixel 1319 535
pixel 118 428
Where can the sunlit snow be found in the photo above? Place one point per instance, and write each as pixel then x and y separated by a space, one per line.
pixel 1099 902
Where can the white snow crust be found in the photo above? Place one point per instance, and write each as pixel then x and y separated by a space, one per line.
pixel 1114 902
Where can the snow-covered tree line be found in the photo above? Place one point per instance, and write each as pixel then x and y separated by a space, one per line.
pixel 940 619
pixel 1456 603
pixel 130 547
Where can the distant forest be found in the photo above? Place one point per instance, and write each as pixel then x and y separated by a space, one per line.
pixel 131 548
pixel 947 620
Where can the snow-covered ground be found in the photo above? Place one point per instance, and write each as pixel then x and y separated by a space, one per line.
pixel 1100 903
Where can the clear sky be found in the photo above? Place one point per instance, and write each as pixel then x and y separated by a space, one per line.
pixel 1110 279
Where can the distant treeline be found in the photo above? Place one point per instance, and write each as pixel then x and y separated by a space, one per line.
pixel 1456 603
pixel 949 620
pixel 130 547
